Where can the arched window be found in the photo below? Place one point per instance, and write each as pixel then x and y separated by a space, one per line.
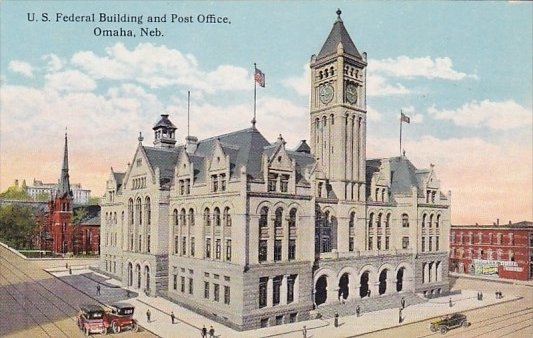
pixel 191 217
pixel 370 219
pixel 278 221
pixel 383 195
pixel 207 217
pixel 183 217
pixel 227 217
pixel 405 220
pixel 175 217
pixel 424 220
pixel 378 220
pixel 326 219
pixel 263 218
pixel 376 195
pixel 430 223
pixel 148 210
pixel 130 210
pixel 387 221
pixel 292 218
pixel 351 223
pixel 437 222
pixel 216 216
pixel 139 210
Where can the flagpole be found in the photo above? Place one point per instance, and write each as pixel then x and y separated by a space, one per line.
pixel 188 112
pixel 401 122
pixel 255 94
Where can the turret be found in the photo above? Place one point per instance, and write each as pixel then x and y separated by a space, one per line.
pixel 164 133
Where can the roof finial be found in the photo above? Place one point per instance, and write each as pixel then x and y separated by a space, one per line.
pixel 253 123
pixel 140 138
pixel 339 12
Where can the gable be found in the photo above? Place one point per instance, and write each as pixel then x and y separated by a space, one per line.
pixel 280 160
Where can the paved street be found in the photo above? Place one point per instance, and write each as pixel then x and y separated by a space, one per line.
pixel 33 303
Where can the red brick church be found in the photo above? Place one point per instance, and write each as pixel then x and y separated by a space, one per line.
pixel 70 229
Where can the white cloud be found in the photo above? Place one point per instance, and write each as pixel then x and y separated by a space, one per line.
pixel 414 118
pixel 21 67
pixel 300 84
pixel 372 114
pixel 378 86
pixel 495 115
pixel 55 63
pixel 160 66
pixel 406 67
pixel 70 80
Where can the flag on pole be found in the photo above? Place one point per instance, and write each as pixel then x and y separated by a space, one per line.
pixel 259 77
pixel 405 118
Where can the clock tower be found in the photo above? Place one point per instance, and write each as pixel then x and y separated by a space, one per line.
pixel 338 113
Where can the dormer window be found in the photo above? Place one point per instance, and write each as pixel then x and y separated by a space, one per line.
pixel 272 181
pixel 223 182
pixel 214 183
pixel 284 185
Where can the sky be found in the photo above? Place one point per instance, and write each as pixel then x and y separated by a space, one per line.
pixel 461 70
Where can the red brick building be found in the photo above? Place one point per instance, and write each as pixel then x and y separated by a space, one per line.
pixel 505 251
pixel 70 230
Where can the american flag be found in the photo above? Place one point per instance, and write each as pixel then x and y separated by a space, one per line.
pixel 405 118
pixel 259 77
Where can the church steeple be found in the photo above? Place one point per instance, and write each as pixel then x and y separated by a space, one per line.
pixel 63 188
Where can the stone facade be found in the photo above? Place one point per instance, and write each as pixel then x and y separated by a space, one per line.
pixel 256 234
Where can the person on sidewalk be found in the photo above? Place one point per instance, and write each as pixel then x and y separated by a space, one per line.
pixel 400 319
pixel 204 332
pixel 403 302
pixel 98 289
pixel 148 314
pixel 450 302
pixel 358 310
pixel 304 332
pixel 336 320
pixel 211 332
pixel 172 317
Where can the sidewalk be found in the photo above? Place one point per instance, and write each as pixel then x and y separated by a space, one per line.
pixel 189 324
pixel 492 279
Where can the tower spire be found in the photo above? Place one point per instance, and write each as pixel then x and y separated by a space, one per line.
pixel 64 182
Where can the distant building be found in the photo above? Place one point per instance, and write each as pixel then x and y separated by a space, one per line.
pixel 500 250
pixel 70 230
pixel 38 189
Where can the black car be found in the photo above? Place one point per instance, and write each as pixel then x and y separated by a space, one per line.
pixel 449 322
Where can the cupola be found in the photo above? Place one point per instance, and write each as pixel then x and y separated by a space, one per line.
pixel 164 133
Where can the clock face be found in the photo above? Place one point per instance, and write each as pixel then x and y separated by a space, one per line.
pixel 326 93
pixel 351 93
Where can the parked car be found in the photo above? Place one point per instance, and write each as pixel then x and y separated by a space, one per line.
pixel 449 322
pixel 121 317
pixel 91 319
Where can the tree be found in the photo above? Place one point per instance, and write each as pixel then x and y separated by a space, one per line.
pixel 94 200
pixel 15 193
pixel 17 226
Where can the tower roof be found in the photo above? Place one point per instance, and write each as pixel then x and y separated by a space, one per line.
pixel 64 183
pixel 338 35
pixel 164 122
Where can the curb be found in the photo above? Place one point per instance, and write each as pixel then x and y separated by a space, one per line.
pixel 493 280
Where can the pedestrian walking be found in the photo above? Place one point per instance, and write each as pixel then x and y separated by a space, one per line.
pixel 368 293
pixel 97 289
pixel 450 302
pixel 172 317
pixel 400 319
pixel 358 310
pixel 204 332
pixel 336 320
pixel 70 271
pixel 403 302
pixel 66 265
pixel 480 295
pixel 148 315
pixel 304 332
pixel 211 332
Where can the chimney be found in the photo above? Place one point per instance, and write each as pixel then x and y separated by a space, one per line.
pixel 17 183
pixel 510 222
pixel 497 221
pixel 191 143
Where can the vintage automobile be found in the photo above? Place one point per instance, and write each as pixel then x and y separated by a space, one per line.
pixel 449 322
pixel 91 319
pixel 120 317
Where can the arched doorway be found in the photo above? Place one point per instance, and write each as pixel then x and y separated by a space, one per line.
pixel 147 277
pixel 138 274
pixel 399 279
pixel 343 286
pixel 383 281
pixel 363 290
pixel 321 293
pixel 130 274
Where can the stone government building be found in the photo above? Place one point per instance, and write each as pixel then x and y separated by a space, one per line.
pixel 225 226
